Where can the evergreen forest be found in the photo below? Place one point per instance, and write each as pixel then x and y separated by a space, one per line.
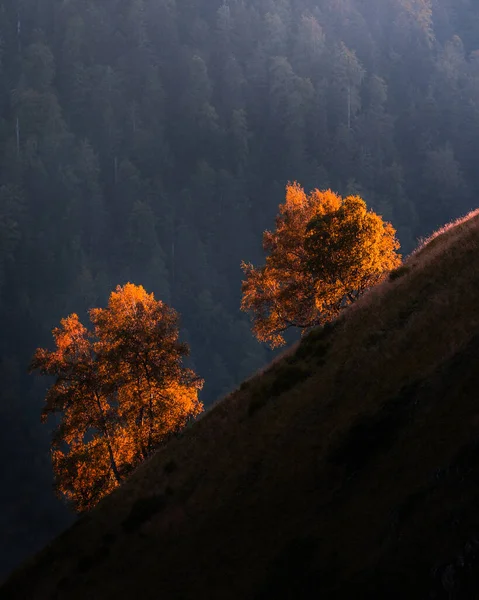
pixel 150 141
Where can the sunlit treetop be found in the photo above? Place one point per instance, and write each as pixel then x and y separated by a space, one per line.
pixel 326 251
pixel 120 391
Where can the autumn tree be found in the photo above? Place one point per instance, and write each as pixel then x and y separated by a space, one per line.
pixel 140 358
pixel 325 253
pixel 119 390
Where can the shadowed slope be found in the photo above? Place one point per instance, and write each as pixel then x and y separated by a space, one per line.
pixel 349 468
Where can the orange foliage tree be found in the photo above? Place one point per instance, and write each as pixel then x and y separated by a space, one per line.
pixel 325 253
pixel 120 391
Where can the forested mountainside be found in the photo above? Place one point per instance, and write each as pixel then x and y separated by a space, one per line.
pixel 150 141
pixel 346 470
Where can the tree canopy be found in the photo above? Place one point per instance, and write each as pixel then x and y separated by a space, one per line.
pixel 119 390
pixel 325 253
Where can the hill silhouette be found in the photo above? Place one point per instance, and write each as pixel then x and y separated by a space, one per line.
pixel 347 469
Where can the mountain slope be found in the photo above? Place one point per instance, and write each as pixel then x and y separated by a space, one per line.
pixel 347 469
pixel 150 141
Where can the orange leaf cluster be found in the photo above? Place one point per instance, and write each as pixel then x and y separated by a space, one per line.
pixel 120 390
pixel 326 252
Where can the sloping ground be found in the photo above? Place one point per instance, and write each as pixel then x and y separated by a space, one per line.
pixel 349 469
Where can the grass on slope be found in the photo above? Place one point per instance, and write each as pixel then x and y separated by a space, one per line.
pixel 348 469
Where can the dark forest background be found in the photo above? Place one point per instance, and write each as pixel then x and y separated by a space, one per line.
pixel 150 141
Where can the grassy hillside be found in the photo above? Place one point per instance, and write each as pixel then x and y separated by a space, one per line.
pixel 348 469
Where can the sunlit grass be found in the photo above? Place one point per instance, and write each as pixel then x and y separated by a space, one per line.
pixel 451 227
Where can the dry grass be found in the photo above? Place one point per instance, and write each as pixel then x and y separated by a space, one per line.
pixel 348 469
pixel 454 230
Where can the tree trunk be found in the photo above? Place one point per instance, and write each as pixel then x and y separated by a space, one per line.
pixel 108 442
